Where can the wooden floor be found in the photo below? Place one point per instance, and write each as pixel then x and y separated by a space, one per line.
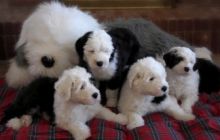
pixel 4 65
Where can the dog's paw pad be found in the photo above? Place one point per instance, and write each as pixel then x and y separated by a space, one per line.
pixel 14 123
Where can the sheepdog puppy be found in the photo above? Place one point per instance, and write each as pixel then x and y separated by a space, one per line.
pixel 107 55
pixel 145 91
pixel 46 43
pixel 35 99
pixel 77 101
pixel 182 76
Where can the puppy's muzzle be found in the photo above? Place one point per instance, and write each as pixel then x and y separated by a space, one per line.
pixel 48 62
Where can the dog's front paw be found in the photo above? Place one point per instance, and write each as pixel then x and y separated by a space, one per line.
pixel 14 123
pixel 82 133
pixel 135 120
pixel 187 108
pixel 26 120
pixel 135 124
pixel 188 117
pixel 122 119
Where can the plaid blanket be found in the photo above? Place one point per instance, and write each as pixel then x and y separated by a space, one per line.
pixel 157 125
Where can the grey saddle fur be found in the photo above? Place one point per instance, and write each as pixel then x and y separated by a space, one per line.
pixel 152 39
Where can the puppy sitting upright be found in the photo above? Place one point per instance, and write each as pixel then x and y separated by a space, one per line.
pixel 108 55
pixel 145 91
pixel 77 101
pixel 183 76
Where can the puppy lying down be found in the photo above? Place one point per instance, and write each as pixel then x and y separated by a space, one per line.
pixel 77 101
pixel 73 100
pixel 145 91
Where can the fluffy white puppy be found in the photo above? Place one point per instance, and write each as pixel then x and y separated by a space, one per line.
pixel 46 43
pixel 77 101
pixel 183 77
pixel 145 91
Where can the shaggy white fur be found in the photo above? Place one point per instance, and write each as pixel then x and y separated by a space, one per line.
pixel 145 91
pixel 98 49
pixel 183 78
pixel 77 101
pixel 50 32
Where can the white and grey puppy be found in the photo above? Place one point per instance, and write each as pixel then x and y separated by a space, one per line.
pixel 77 101
pixel 145 91
pixel 183 76
pixel 107 55
pixel 46 42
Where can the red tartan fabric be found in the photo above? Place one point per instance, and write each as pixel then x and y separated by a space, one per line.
pixel 157 125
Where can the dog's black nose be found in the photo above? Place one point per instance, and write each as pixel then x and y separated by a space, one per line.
pixel 164 88
pixel 186 69
pixel 99 63
pixel 95 95
pixel 48 62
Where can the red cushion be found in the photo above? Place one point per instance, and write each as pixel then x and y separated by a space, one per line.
pixel 157 125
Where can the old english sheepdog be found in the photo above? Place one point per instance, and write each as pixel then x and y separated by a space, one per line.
pixel 46 43
pixel 77 101
pixel 107 55
pixel 182 76
pixel 145 91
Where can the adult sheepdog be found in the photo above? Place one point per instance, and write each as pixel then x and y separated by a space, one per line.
pixel 145 91
pixel 77 101
pixel 182 76
pixel 107 55
pixel 46 43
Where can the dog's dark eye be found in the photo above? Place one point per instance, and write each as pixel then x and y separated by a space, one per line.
pixel 91 51
pixel 92 80
pixel 151 79
pixel 83 86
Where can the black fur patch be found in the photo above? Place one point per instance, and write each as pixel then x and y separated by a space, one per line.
pixel 171 59
pixel 38 94
pixel 158 100
pixel 209 76
pixel 80 43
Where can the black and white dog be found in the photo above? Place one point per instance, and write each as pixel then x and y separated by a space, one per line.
pixel 37 97
pixel 209 73
pixel 108 55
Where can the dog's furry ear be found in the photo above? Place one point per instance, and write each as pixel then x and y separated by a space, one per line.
pixel 64 87
pixel 171 59
pixel 80 43
pixel 133 77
